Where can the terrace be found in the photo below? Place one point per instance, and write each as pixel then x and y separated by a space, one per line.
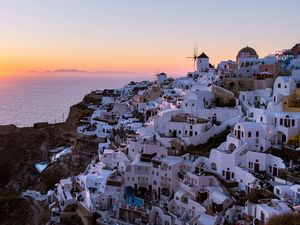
pixel 186 118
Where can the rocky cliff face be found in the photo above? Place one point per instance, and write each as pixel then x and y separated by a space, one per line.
pixel 21 148
pixel 77 112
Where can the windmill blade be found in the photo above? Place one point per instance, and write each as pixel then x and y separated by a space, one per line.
pixel 195 55
pixel 195 50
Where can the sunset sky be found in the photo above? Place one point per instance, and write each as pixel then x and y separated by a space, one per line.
pixel 138 35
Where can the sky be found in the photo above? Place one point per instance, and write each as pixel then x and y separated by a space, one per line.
pixel 139 35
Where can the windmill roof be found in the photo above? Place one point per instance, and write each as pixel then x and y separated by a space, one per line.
pixel 203 55
pixel 161 74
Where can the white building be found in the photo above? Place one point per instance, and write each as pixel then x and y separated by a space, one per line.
pixel 202 63
pixel 161 78
pixel 265 209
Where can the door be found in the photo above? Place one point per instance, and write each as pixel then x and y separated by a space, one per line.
pixel 283 138
pixel 274 171
pixel 227 175
pixel 262 218
pixel 256 167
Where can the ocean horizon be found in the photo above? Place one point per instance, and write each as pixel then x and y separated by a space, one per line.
pixel 48 96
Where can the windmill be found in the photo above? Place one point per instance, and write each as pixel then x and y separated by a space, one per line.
pixel 195 55
pixel 156 72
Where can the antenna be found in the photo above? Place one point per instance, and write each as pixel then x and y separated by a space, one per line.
pixel 195 55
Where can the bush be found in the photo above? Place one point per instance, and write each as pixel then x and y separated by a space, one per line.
pixel 287 218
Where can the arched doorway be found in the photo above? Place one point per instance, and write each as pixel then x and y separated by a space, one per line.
pixel 213 166
pixel 281 138
pixel 231 147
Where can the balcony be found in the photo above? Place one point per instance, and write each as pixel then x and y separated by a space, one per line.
pixel 185 185
pixel 115 183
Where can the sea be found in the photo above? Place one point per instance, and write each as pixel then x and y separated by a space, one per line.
pixel 47 96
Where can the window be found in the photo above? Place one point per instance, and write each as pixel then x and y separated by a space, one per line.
pixel 257 133
pixel 281 121
pixel 249 134
pixel 293 123
pixel 232 175
pixel 279 85
pixel 213 166
pixel 250 165
pixel 223 172
pixel 261 119
pixel 196 132
pixel 186 104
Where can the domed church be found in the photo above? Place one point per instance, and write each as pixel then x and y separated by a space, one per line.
pixel 246 52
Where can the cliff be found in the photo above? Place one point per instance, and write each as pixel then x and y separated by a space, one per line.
pixel 21 148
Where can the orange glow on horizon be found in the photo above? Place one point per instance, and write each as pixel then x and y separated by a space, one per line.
pixel 174 64
pixel 20 62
